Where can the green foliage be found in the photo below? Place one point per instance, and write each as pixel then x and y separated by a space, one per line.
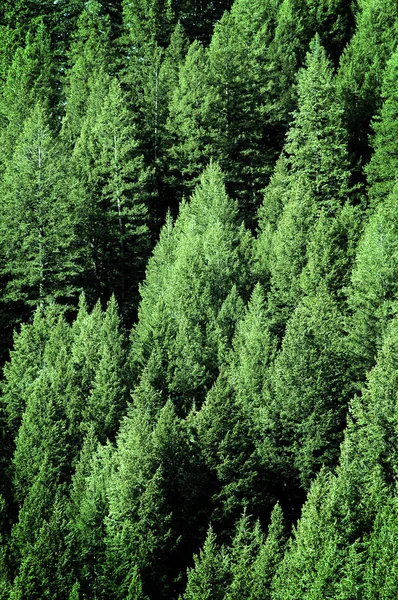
pixel 361 69
pixel 372 292
pixel 316 143
pixel 90 54
pixel 228 423
pixel 381 168
pixel 308 395
pixel 29 80
pixel 207 579
pixel 109 191
pixel 259 373
pixel 38 244
pixel 189 278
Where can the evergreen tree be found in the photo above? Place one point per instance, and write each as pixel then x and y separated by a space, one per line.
pixel 372 292
pixel 243 552
pixel 29 81
pixel 110 196
pixel 316 142
pixel 269 557
pixel 90 54
pixel 331 253
pixel 86 514
pixel 381 168
pixel 306 185
pixel 190 148
pixel 184 323
pixel 148 20
pixel 228 423
pixel 361 70
pixel 151 519
pixel 309 391
pixel 208 577
pixel 312 560
pixel 37 225
pixel 380 573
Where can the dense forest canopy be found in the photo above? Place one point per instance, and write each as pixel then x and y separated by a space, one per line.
pixel 198 299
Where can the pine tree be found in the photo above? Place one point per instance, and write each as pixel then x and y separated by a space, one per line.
pixel 331 252
pixel 361 71
pixel 208 577
pixel 334 21
pixel 194 266
pixel 242 555
pixel 29 81
pixel 228 423
pixel 372 292
pixel 38 226
pixel 269 557
pixel 107 401
pixel 269 214
pixel 381 168
pixel 309 391
pixel 190 146
pixel 306 185
pixel 90 54
pixel 148 20
pixel 316 142
pixel 380 573
pixel 234 116
pixel 312 559
pixel 86 515
pixel 110 193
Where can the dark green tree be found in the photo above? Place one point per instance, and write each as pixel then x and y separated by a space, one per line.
pixel 90 54
pixel 361 71
pixel 208 577
pixel 38 232
pixel 228 423
pixel 309 391
pixel 372 294
pixel 109 190
pixel 382 167
pixel 269 557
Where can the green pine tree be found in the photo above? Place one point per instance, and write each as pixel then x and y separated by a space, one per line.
pixel 39 243
pixel 381 168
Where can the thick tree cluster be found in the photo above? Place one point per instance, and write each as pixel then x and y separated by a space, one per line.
pixel 199 300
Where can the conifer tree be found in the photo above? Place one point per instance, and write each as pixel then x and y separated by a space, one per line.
pixel 148 20
pixel 382 167
pixel 208 576
pixel 372 295
pixel 228 423
pixel 38 226
pixel 110 188
pixel 90 54
pixel 86 514
pixel 316 142
pixel 380 572
pixel 361 70
pixel 269 557
pixel 331 253
pixel 190 149
pixel 309 391
pixel 312 549
pixel 157 498
pixel 242 555
pixel 29 81
pixel 204 252
pixel 310 184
